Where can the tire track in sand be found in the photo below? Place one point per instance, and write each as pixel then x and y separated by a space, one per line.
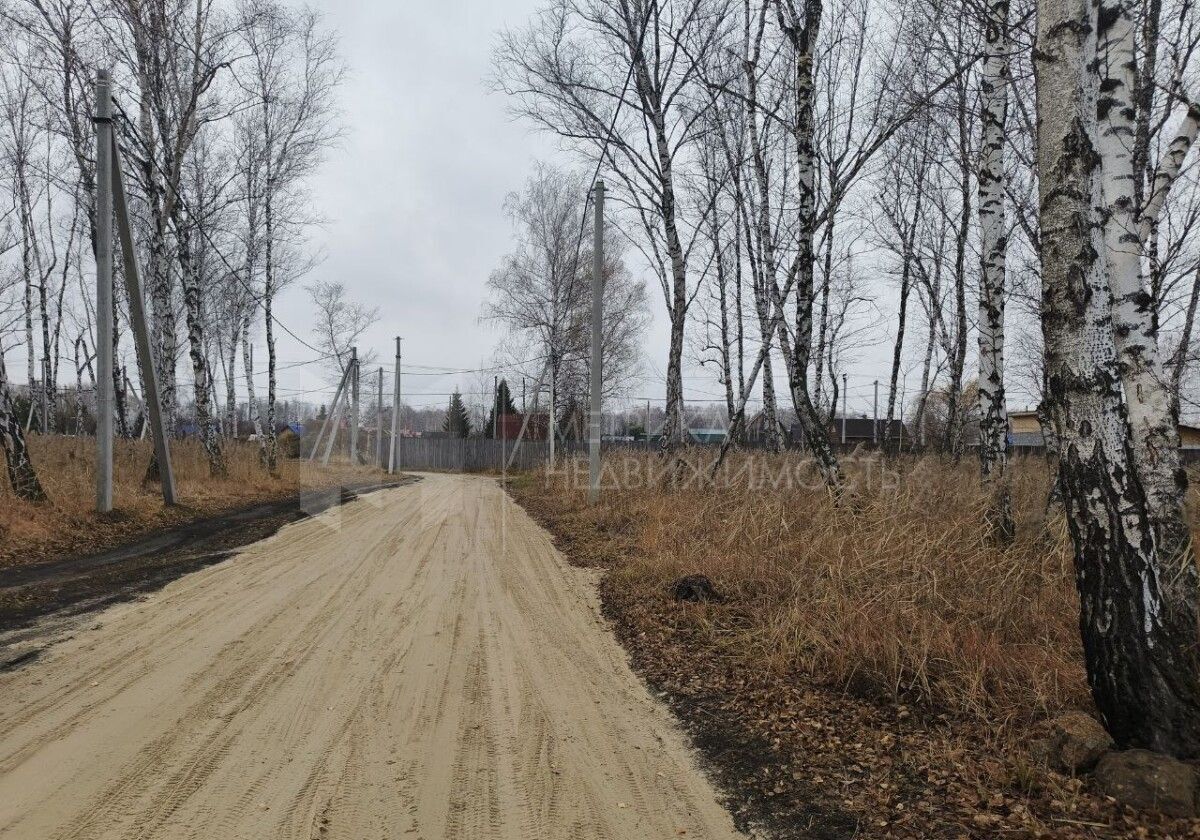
pixel 420 663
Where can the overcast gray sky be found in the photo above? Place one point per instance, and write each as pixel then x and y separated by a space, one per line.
pixel 414 197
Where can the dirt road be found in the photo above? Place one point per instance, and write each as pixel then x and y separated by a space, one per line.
pixel 419 663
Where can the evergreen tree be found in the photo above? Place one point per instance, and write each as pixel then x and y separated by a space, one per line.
pixel 457 422
pixel 504 403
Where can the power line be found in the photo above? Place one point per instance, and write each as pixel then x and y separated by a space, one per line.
pixel 612 126
pixel 183 202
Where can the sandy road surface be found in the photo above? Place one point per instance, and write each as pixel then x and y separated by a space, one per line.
pixel 420 663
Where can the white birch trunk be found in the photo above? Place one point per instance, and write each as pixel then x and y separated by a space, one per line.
pixel 1140 647
pixel 993 414
pixel 1155 436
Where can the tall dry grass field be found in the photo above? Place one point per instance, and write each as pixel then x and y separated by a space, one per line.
pixel 894 590
pixel 68 523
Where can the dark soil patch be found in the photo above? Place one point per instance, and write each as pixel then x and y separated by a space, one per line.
pixel 84 582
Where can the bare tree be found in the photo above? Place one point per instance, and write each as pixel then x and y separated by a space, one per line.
pixel 340 322
pixel 570 73
pixel 1139 615
pixel 993 246
pixel 292 82
pixel 21 474
pixel 542 291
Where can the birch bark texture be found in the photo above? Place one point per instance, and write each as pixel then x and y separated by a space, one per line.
pixel 1155 435
pixel 1139 647
pixel 993 235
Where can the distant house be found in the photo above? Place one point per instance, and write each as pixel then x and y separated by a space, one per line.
pixel 700 436
pixel 757 428
pixel 707 435
pixel 1025 431
pixel 859 430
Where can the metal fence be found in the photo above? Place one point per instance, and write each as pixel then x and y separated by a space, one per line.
pixel 478 454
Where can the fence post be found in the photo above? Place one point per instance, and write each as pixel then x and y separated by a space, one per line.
pixel 597 322
pixel 141 332
pixel 104 289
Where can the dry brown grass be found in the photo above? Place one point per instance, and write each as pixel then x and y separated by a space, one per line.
pixel 895 591
pixel 876 667
pixel 69 524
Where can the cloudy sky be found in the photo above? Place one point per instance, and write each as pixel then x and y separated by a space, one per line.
pixel 414 194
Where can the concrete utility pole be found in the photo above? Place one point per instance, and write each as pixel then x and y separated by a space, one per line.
pixel 495 405
pixel 379 422
pixel 104 298
pixel 354 405
pixel 553 424
pixel 333 406
pixel 597 321
pixel 45 389
pixel 141 332
pixel 875 412
pixel 843 409
pixel 395 411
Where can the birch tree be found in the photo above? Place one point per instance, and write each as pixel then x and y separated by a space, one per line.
pixel 566 72
pixel 541 292
pixel 291 81
pixel 993 245
pixel 1139 616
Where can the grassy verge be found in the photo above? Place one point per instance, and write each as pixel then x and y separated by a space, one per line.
pixel 68 523
pixel 873 668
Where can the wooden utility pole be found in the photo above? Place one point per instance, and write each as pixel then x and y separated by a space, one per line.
pixel 141 333
pixel 395 412
pixel 597 321
pixel 104 298
pixel 354 405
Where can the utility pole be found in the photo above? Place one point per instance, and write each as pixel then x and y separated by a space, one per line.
pixel 395 411
pixel 875 420
pixel 379 423
pixel 647 422
pixel 45 389
pixel 522 394
pixel 251 410
pixel 843 409
pixel 495 405
pixel 104 297
pixel 597 321
pixel 333 406
pixel 354 405
pixel 141 331
pixel 553 424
